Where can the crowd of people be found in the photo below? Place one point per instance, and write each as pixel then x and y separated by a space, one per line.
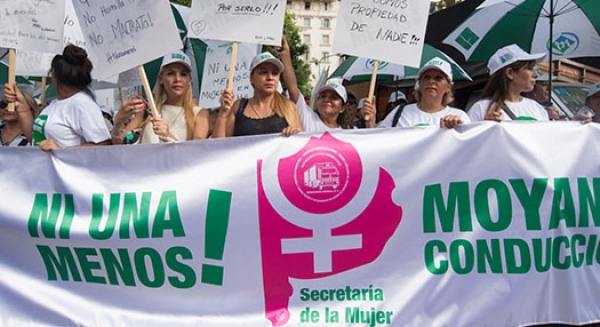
pixel 513 92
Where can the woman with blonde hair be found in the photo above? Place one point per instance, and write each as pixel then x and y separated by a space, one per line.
pixel 266 112
pixel 179 120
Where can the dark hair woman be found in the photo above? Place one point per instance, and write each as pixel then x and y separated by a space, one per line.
pixel 512 73
pixel 74 118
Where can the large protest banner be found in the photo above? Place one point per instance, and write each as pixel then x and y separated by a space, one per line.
pixel 486 225
pixel 121 34
pixel 391 30
pixel 252 21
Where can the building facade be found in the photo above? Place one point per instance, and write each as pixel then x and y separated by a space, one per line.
pixel 317 19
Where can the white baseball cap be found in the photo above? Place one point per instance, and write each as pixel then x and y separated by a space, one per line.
pixel 511 54
pixel 177 57
pixel 265 57
pixel 439 64
pixel 337 87
pixel 593 89
pixel 396 96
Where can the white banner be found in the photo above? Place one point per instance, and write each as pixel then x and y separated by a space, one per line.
pixel 121 34
pixel 32 25
pixel 252 21
pixel 216 71
pixel 486 225
pixel 392 31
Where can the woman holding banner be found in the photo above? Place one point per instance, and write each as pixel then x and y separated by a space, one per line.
pixel 332 97
pixel 266 112
pixel 433 93
pixel 179 120
pixel 74 118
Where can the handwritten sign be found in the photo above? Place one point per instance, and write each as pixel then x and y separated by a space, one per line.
pixel 388 30
pixel 33 63
pixel 252 21
pixel 122 34
pixel 32 25
pixel 216 71
pixel 128 78
pixel 72 28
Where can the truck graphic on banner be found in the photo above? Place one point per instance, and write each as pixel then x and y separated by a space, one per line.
pixel 322 174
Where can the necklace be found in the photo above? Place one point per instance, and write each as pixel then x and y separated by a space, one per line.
pixel 256 112
pixel 11 138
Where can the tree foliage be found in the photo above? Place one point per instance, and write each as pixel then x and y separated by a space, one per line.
pixel 443 4
pixel 183 2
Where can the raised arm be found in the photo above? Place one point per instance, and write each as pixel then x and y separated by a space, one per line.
pixel 129 117
pixel 225 121
pixel 289 76
pixel 14 95
pixel 369 110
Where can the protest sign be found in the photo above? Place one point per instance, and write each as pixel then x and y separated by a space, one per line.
pixel 73 32
pixel 252 21
pixel 74 35
pixel 392 31
pixel 216 72
pixel 325 229
pixel 32 25
pixel 33 63
pixel 121 35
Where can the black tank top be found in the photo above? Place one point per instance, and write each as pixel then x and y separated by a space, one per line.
pixel 245 125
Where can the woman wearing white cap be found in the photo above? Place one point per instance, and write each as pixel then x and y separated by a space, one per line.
pixel 513 73
pixel 179 119
pixel 330 113
pixel 433 94
pixel 266 112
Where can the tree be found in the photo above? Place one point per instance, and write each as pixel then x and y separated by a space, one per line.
pixel 183 2
pixel 443 4
pixel 297 51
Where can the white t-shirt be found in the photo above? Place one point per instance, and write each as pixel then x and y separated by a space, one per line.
pixel 311 122
pixel 176 119
pixel 526 109
pixel 413 116
pixel 72 121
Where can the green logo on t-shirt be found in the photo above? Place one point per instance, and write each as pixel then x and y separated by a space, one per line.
pixel 525 118
pixel 39 127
